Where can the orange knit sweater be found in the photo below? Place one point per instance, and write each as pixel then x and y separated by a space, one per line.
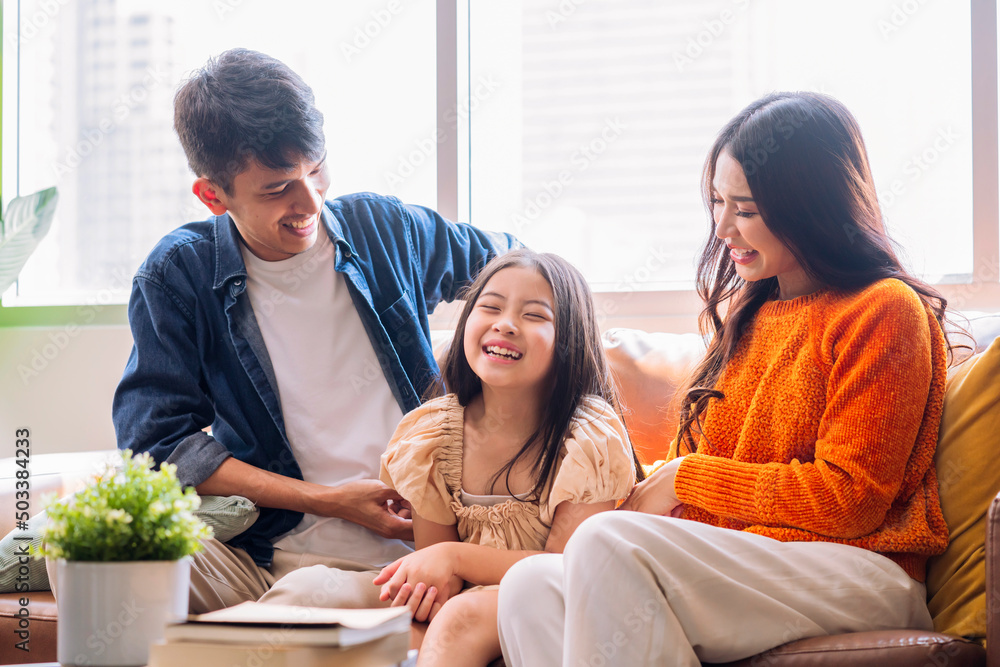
pixel 828 427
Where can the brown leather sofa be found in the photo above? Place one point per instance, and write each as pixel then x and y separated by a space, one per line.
pixel 648 368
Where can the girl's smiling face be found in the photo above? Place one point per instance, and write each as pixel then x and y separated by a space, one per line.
pixel 510 333
pixel 757 252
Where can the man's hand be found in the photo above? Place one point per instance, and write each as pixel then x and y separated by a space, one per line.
pixel 655 494
pixel 401 508
pixel 368 503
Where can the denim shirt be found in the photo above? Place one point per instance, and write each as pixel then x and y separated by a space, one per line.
pixel 199 359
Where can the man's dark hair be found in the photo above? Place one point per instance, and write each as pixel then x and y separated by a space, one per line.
pixel 245 106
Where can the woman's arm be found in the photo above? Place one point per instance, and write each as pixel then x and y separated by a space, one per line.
pixel 884 364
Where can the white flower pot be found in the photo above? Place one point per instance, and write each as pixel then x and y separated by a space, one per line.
pixel 109 613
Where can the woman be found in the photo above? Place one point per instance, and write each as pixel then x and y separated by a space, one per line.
pixel 801 498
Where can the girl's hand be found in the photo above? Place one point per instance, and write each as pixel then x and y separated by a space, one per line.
pixel 655 494
pixel 423 580
pixel 422 601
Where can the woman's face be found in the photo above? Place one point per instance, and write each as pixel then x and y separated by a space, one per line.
pixel 757 253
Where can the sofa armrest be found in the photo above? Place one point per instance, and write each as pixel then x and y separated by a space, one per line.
pixel 993 584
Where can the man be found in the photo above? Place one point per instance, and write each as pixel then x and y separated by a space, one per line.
pixel 296 328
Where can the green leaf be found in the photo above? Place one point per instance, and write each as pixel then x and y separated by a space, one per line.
pixel 134 512
pixel 27 221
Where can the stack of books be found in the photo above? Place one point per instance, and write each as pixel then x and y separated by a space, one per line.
pixel 253 634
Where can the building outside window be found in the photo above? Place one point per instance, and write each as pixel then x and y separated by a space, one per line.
pixel 584 125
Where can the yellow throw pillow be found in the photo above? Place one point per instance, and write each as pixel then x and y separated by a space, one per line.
pixel 968 479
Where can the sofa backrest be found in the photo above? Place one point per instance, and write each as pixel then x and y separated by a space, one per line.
pixel 648 369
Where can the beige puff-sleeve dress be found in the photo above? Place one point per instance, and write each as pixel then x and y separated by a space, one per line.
pixel 423 463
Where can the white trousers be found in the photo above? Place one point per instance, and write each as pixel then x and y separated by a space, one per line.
pixel 636 589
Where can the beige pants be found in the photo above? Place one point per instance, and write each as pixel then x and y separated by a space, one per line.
pixel 223 576
pixel 635 589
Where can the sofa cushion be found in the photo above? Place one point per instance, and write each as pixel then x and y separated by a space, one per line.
pixel 968 481
pixel 227 516
pixel 648 369
pixel 17 567
pixel 983 327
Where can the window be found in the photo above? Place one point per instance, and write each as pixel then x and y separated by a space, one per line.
pixel 580 126
pixel 592 141
pixel 98 126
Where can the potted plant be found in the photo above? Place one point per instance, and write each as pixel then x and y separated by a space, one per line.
pixel 121 550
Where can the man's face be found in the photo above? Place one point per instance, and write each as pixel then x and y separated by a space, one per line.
pixel 277 212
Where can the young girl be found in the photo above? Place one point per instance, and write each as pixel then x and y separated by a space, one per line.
pixel 523 449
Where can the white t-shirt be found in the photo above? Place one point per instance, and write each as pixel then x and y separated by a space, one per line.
pixel 338 408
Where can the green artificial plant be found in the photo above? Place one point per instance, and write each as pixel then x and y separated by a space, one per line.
pixel 127 514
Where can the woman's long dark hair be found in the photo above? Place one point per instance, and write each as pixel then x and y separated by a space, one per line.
pixel 807 168
pixel 579 366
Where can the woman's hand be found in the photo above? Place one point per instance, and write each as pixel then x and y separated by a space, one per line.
pixel 655 494
pixel 423 580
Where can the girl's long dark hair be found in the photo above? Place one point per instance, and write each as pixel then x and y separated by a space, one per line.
pixel 807 168
pixel 579 366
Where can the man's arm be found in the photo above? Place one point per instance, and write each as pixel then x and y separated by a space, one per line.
pixel 365 502
pixel 451 254
pixel 161 407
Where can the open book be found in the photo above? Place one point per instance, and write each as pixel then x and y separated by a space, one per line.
pixel 278 625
